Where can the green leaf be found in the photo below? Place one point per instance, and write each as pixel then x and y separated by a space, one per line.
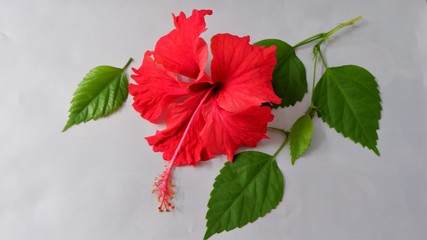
pixel 289 76
pixel 102 91
pixel 300 137
pixel 347 98
pixel 244 190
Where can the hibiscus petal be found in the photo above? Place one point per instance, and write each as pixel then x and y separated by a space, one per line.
pixel 182 50
pixel 178 116
pixel 224 132
pixel 155 89
pixel 243 72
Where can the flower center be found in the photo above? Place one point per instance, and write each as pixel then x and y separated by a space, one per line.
pixel 197 87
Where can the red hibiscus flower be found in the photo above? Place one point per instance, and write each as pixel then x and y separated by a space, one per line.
pixel 205 115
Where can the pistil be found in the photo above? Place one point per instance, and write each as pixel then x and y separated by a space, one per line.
pixel 163 185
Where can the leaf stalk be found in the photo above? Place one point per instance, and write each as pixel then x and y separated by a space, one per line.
pixel 127 64
pixel 283 143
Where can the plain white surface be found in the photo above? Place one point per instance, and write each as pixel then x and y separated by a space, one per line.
pixel 94 181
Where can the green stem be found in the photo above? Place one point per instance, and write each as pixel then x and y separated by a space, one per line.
pixel 286 133
pixel 309 40
pixel 316 59
pixel 324 36
pixel 127 64
pixel 321 56
pixel 279 130
pixel 317 52
pixel 282 145
pixel 345 24
pixel 311 107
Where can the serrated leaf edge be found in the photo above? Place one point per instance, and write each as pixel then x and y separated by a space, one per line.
pixel 374 147
pixel 269 163
pixel 121 74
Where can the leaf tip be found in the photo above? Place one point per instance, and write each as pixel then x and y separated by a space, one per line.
pixel 208 234
pixel 376 151
pixel 293 161
pixel 67 126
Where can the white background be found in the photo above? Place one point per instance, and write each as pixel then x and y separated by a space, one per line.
pixel 94 181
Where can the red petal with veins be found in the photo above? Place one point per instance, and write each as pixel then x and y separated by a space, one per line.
pixel 156 89
pixel 204 116
pixel 178 116
pixel 224 132
pixel 243 72
pixel 182 50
